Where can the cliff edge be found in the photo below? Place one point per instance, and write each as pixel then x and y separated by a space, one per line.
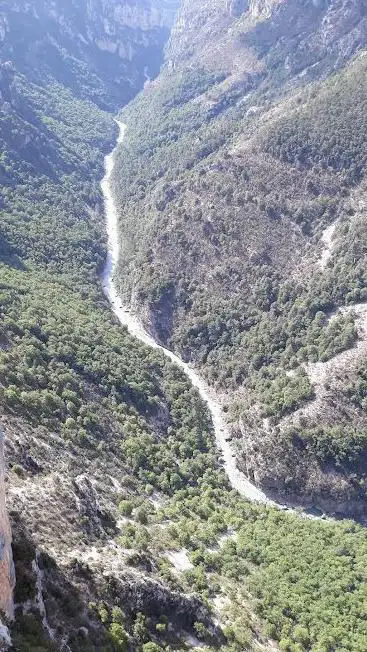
pixel 7 577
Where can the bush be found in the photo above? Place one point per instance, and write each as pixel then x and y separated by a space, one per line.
pixel 119 637
pixel 126 507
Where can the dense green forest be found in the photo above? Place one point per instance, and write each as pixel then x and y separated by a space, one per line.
pixel 71 376
pixel 113 466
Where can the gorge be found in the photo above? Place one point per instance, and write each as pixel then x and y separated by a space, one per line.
pixel 144 515
pixel 237 479
pixel 226 198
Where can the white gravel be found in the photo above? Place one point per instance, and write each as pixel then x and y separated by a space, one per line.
pixel 237 479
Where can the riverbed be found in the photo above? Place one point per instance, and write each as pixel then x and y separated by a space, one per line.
pixel 237 479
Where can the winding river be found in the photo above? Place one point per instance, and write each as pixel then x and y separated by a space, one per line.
pixel 237 479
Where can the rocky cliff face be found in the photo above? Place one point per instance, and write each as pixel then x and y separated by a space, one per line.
pixel 294 37
pixel 6 559
pixel 104 49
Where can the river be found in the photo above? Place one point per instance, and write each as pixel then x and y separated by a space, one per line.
pixel 237 479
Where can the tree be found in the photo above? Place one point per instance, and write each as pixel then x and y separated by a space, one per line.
pixel 139 628
pixel 125 507
pixel 119 637
pixel 151 647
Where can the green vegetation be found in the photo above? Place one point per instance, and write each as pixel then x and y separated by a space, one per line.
pixel 320 137
pixel 110 435
pixel 225 257
pixel 28 634
pixel 306 577
pixel 357 392
pixel 48 192
pixel 73 384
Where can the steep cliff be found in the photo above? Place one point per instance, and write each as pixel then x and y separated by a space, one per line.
pixel 298 38
pixel 238 160
pixel 7 575
pixel 103 50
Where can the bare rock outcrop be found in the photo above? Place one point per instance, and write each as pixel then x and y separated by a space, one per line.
pixel 7 576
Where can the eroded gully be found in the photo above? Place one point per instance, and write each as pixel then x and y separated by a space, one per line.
pixel 237 479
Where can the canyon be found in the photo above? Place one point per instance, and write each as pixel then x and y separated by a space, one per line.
pixel 235 200
pixel 238 480
pixel 169 389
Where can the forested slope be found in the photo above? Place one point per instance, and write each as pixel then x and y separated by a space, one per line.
pixel 75 389
pixel 122 516
pixel 237 161
pixel 124 527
